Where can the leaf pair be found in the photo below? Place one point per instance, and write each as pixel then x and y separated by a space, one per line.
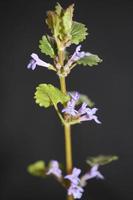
pixel 63 27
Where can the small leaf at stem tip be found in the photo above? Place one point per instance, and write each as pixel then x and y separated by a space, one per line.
pixel 90 60
pixel 101 160
pixel 67 19
pixel 53 21
pixel 47 95
pixel 58 9
pixel 78 32
pixel 37 168
pixel 46 46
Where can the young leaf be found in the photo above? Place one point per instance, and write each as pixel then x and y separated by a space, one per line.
pixel 53 21
pixel 47 95
pixel 90 60
pixel 46 46
pixel 78 32
pixel 58 9
pixel 67 19
pixel 101 159
pixel 37 168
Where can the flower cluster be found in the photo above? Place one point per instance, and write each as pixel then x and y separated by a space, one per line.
pixel 75 189
pixel 83 113
pixel 76 184
pixel 77 55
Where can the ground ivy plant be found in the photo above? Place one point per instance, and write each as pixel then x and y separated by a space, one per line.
pixel 76 107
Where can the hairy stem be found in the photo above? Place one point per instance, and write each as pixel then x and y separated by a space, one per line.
pixel 68 147
pixel 67 128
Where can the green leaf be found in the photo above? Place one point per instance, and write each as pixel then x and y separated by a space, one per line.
pixel 47 95
pixel 53 21
pixel 101 159
pixel 86 99
pixel 58 9
pixel 37 168
pixel 46 46
pixel 67 19
pixel 78 32
pixel 90 60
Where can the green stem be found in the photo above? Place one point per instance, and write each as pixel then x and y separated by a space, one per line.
pixel 58 113
pixel 67 127
pixel 68 144
pixel 67 130
pixel 63 84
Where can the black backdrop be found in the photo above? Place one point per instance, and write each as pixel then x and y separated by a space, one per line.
pixel 29 133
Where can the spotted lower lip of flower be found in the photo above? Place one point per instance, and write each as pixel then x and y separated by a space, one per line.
pixel 93 173
pixel 54 169
pixel 76 191
pixel 74 176
pixel 37 61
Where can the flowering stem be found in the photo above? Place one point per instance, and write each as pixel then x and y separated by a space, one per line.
pixel 67 127
pixel 63 84
pixel 68 145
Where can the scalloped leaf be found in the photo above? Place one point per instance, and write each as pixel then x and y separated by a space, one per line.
pixel 101 159
pixel 58 9
pixel 47 95
pixel 53 21
pixel 78 32
pixel 67 19
pixel 37 168
pixel 91 60
pixel 46 46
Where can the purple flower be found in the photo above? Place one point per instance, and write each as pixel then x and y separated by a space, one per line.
pixel 54 169
pixel 75 96
pixel 88 114
pixel 79 54
pixel 76 191
pixel 84 113
pixel 36 61
pixel 83 109
pixel 74 176
pixel 70 109
pixel 93 173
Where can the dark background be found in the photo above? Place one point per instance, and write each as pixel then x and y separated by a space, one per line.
pixel 29 133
